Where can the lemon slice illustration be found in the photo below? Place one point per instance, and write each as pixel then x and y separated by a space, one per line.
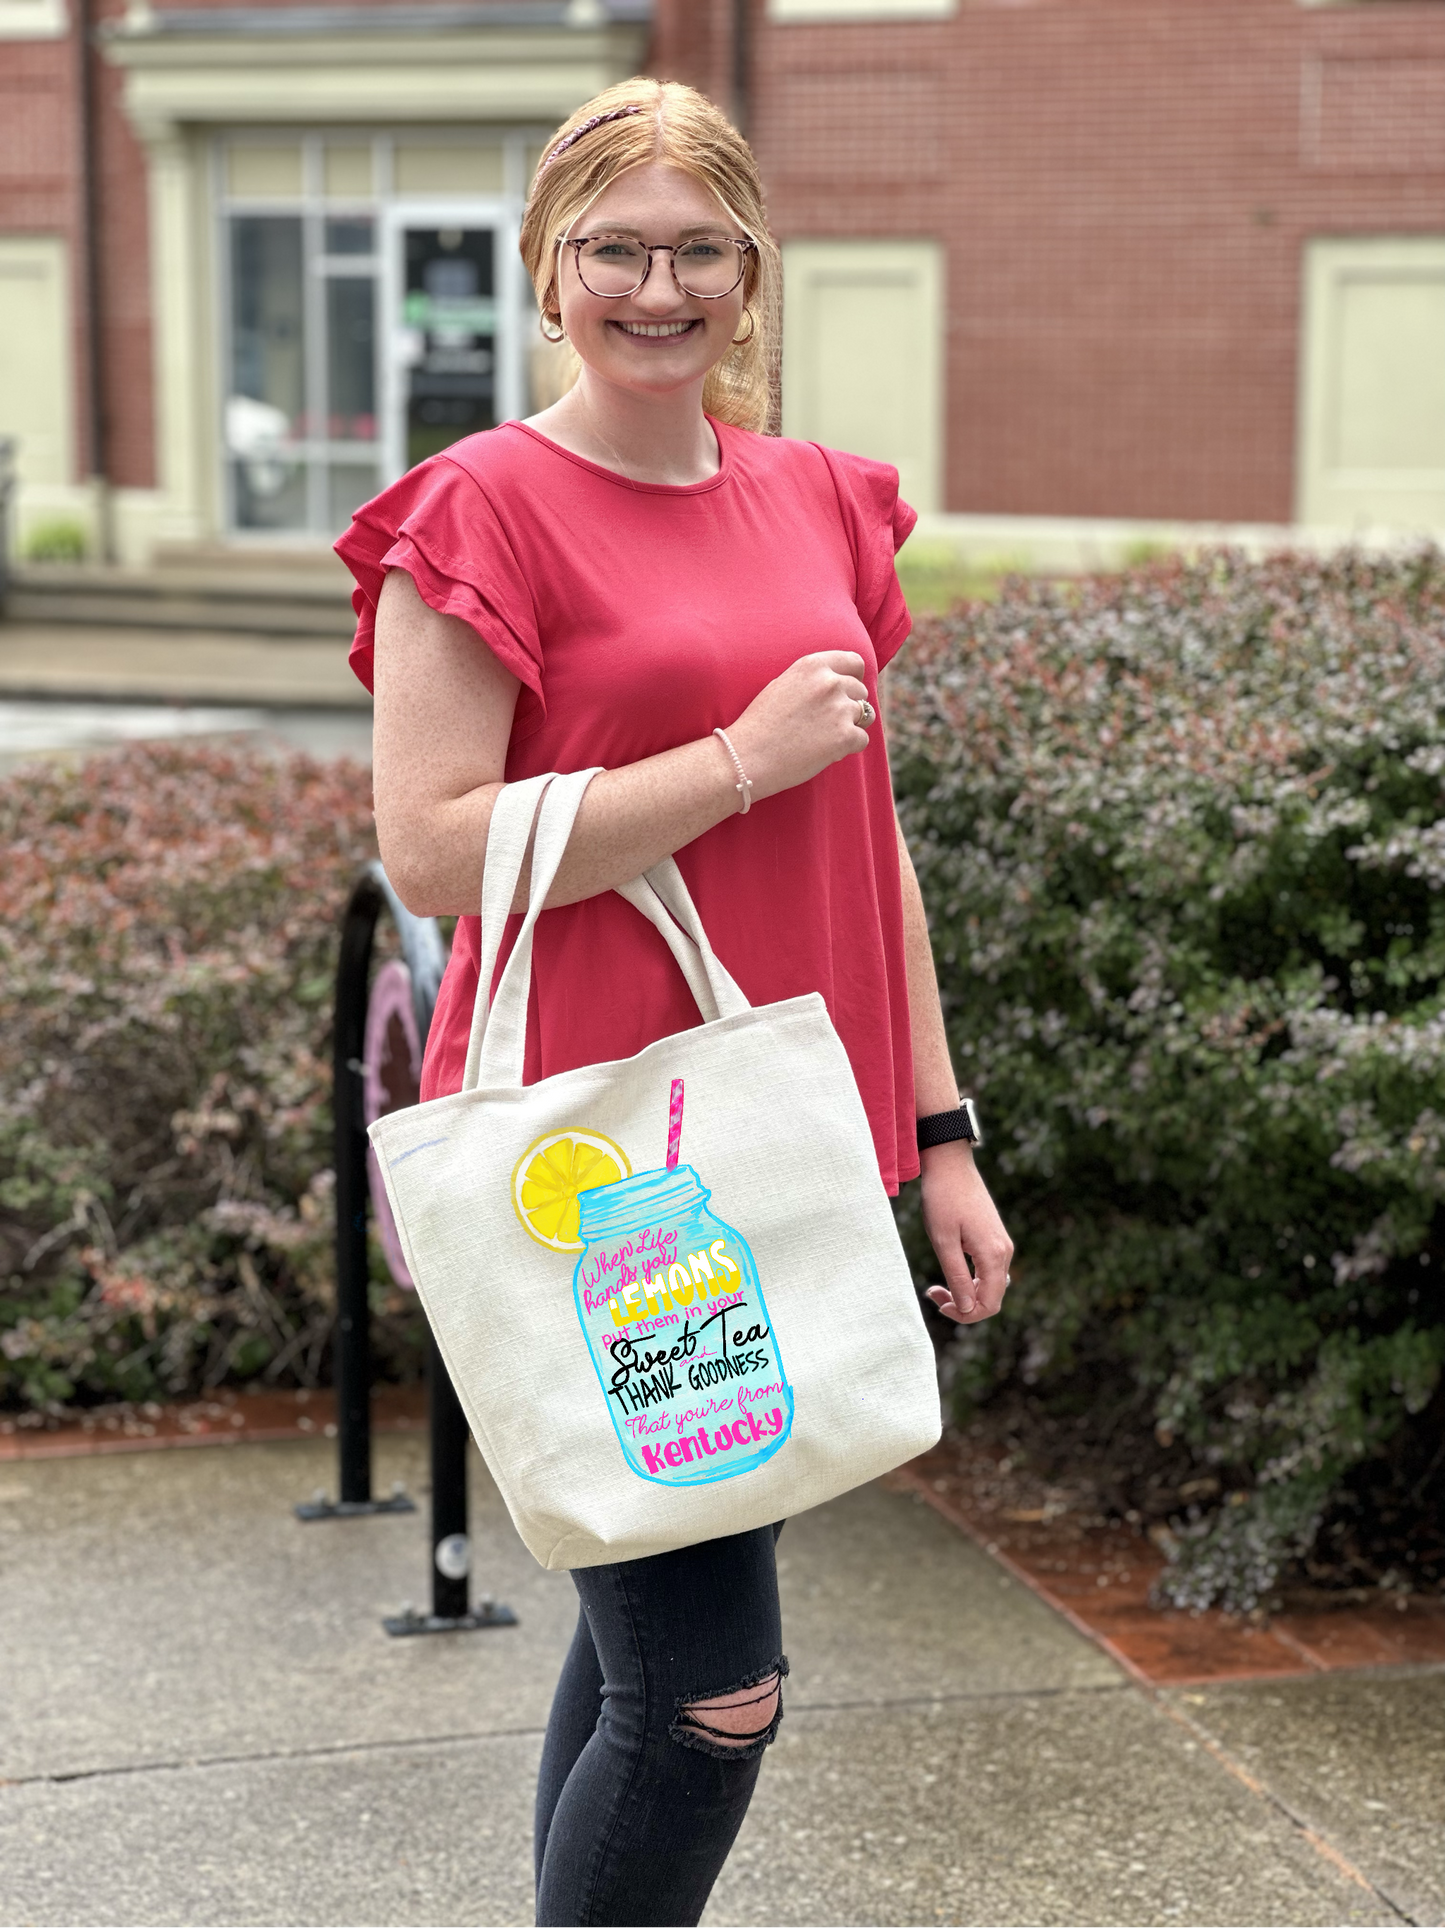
pixel 551 1174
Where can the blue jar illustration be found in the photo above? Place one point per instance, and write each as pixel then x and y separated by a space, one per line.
pixel 678 1328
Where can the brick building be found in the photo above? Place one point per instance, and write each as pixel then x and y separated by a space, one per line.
pixel 1107 258
pixel 1133 259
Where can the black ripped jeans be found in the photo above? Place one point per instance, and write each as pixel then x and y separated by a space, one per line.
pixel 637 1805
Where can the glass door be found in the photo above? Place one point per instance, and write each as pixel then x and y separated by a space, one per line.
pixel 449 315
pixel 450 295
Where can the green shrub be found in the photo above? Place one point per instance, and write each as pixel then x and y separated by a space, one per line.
pixel 1181 837
pixel 168 928
pixel 57 539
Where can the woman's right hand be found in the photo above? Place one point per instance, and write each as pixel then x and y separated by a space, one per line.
pixel 802 721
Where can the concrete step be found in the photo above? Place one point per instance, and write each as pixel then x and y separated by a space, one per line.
pixel 110 663
pixel 263 596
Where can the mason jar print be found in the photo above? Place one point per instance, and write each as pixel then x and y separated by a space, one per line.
pixel 672 1307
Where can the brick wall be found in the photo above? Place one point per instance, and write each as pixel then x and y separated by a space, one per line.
pixel 693 41
pixel 40 194
pixel 37 162
pixel 1124 188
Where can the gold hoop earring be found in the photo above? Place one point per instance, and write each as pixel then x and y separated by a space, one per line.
pixel 741 341
pixel 561 334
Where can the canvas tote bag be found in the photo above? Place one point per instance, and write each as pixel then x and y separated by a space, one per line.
pixel 668 1290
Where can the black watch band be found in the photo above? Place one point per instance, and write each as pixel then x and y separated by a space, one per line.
pixel 943 1127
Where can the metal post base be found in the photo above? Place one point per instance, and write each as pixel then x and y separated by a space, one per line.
pixel 488 1613
pixel 321 1508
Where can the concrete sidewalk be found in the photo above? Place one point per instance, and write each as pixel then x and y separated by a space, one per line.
pixel 201 1721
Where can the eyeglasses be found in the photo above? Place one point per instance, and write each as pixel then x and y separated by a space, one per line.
pixel 615 265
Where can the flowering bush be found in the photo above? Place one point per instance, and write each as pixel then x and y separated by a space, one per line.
pixel 1182 841
pixel 168 926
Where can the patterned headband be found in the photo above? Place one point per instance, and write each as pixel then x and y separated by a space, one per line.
pixel 597 120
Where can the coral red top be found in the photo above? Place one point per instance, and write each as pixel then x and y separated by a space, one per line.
pixel 637 616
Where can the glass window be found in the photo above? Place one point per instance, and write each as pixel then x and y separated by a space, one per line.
pixel 269 491
pixel 349 484
pixel 351 358
pixel 354 234
pixel 302 373
pixel 267 338
pixel 266 399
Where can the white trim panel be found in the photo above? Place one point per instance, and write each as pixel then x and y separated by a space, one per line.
pixel 36 397
pixel 33 20
pixel 863 354
pixel 836 10
pixel 1372 384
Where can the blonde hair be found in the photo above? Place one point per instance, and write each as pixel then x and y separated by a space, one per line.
pixel 661 120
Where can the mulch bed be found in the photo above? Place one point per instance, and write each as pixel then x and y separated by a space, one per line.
pixel 221 1419
pixel 1064 1539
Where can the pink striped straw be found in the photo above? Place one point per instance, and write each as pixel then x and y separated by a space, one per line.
pixel 674 1126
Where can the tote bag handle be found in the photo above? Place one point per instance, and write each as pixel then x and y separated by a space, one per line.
pixel 666 902
pixel 508 835
pixel 497 1047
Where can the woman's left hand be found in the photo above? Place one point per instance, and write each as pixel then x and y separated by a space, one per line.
pixel 962 1223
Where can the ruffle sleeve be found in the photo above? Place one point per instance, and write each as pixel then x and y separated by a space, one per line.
pixel 878 524
pixel 437 524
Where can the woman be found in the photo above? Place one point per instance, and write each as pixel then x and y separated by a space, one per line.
pixel 637 578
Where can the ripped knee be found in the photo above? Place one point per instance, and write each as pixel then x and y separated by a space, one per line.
pixel 739 1721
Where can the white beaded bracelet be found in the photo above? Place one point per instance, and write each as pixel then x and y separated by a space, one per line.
pixel 744 784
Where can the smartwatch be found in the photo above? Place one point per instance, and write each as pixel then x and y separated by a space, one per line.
pixel 943 1127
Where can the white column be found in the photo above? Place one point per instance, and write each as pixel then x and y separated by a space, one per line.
pixel 178 309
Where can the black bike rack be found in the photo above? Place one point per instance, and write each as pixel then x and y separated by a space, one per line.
pixel 425 957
